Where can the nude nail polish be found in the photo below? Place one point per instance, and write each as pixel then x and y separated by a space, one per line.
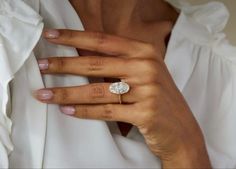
pixel 43 64
pixel 68 110
pixel 51 33
pixel 44 94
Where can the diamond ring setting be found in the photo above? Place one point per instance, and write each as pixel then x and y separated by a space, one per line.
pixel 119 88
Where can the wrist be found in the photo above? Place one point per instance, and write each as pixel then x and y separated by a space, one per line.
pixel 189 155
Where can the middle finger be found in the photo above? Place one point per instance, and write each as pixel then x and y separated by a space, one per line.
pixel 97 66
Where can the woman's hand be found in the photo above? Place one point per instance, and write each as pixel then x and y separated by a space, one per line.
pixel 153 104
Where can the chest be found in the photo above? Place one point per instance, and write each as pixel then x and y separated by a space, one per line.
pixel 118 22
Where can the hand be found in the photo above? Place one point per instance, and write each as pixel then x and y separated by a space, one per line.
pixel 154 104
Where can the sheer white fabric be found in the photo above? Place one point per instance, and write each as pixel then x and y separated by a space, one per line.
pixel 199 58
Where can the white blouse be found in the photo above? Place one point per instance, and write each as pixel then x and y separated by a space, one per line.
pixel 35 135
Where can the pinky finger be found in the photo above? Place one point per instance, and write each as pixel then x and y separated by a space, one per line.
pixel 106 112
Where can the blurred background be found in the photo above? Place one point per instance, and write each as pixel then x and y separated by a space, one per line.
pixel 230 29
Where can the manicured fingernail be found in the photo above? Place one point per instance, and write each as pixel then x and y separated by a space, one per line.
pixel 43 64
pixel 68 110
pixel 44 94
pixel 51 33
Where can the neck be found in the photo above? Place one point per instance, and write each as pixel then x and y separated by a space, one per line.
pixel 120 14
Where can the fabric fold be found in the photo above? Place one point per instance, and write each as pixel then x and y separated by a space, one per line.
pixel 213 15
pixel 15 47
pixel 210 18
pixel 204 26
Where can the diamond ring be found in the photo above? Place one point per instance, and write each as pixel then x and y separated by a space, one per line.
pixel 119 88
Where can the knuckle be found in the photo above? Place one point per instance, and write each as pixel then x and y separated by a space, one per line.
pixel 151 51
pixel 144 46
pixel 151 108
pixel 145 64
pixel 95 64
pixel 148 112
pixel 67 34
pixel 149 66
pixel 148 107
pixel 82 112
pixel 58 64
pixel 151 78
pixel 63 96
pixel 100 38
pixel 147 126
pixel 70 34
pixel 97 91
pixel 153 90
pixel 108 112
pixel 132 62
pixel 152 104
pixel 150 48
pixel 124 62
pixel 137 62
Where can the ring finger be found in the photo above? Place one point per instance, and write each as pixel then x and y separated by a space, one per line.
pixel 96 93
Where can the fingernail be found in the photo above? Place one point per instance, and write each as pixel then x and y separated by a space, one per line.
pixel 43 64
pixel 44 94
pixel 68 110
pixel 51 33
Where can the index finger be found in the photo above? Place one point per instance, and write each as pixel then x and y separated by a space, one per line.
pixel 93 41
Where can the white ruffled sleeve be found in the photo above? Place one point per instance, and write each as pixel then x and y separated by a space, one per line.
pixel 219 121
pixel 203 65
pixel 20 29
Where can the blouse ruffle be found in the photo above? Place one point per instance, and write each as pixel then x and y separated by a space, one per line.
pixel 202 63
pixel 201 25
pixel 20 29
pixel 204 25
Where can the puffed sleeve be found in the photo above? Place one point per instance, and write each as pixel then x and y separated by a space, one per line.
pixel 203 64
pixel 20 29
pixel 211 87
pixel 218 117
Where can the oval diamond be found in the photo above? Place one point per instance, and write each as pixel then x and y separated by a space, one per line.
pixel 119 88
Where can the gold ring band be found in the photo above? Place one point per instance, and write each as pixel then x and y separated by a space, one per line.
pixel 120 98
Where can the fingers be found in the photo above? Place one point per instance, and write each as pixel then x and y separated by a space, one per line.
pixel 92 41
pixel 96 93
pixel 107 112
pixel 86 66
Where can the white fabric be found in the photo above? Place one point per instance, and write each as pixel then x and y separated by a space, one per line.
pixel 15 47
pixel 199 58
